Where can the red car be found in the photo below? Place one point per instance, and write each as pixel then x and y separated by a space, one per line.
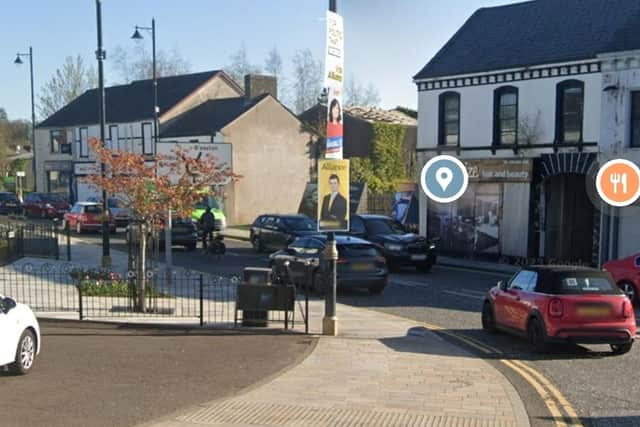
pixel 626 273
pixel 45 205
pixel 555 304
pixel 87 216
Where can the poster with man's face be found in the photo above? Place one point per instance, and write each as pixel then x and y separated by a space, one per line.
pixel 333 195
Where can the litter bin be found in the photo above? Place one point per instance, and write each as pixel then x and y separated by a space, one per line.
pixel 262 277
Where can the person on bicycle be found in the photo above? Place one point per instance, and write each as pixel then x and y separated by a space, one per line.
pixel 207 224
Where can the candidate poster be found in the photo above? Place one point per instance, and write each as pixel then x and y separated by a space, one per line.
pixel 333 195
pixel 334 81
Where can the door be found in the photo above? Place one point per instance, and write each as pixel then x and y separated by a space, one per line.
pixel 525 300
pixel 279 235
pixel 266 232
pixel 7 348
pixel 506 305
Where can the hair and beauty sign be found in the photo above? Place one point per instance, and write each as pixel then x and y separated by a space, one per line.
pixel 334 81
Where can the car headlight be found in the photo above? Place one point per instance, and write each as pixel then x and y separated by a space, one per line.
pixel 393 247
pixel 432 246
pixel 48 206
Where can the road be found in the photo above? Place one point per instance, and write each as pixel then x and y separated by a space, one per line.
pixel 604 390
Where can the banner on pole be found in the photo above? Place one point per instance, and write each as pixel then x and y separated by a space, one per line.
pixel 334 81
pixel 333 195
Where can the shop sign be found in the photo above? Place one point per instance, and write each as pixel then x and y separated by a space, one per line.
pixel 506 170
pixel 86 168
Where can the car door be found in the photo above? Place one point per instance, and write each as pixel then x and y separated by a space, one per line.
pixel 29 204
pixel 294 255
pixel 505 304
pixel 7 348
pixel 266 232
pixel 525 300
pixel 279 234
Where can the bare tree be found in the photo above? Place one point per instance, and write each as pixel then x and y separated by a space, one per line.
pixel 273 64
pixel 136 63
pixel 530 129
pixel 66 84
pixel 307 80
pixel 356 94
pixel 241 66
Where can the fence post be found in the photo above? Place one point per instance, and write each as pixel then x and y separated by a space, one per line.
pixel 201 301
pixel 56 233
pixel 67 230
pixel 80 300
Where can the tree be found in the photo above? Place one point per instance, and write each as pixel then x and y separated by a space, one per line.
pixel 241 66
pixel 137 63
pixel 13 133
pixel 149 189
pixel 307 80
pixel 356 94
pixel 66 84
pixel 273 64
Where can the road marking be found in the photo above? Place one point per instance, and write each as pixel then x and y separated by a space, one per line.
pixel 409 283
pixel 462 294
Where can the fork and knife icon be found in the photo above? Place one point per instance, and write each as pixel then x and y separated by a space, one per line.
pixel 617 178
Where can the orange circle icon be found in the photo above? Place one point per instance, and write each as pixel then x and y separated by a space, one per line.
pixel 618 182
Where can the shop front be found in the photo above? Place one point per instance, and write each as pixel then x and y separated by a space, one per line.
pixel 59 178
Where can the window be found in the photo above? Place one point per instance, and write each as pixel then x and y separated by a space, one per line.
pixel 58 181
pixel 357 225
pixel 113 137
pixel 635 119
pixel 84 137
pixel 521 281
pixel 505 115
pixel 638 262
pixel 57 138
pixel 569 111
pixel 147 145
pixel 449 120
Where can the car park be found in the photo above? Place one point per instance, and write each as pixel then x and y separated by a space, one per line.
pixel 560 304
pixel 87 216
pixel 10 204
pixel 45 205
pixel 626 273
pixel 275 232
pixel 398 246
pixel 19 336
pixel 360 264
pixel 121 213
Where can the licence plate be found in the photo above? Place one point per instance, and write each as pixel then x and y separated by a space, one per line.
pixel 362 267
pixel 418 257
pixel 593 311
pixel 11 205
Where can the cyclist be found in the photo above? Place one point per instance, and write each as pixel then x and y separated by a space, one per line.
pixel 208 225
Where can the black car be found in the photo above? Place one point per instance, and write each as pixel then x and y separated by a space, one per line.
pixel 9 204
pixel 273 232
pixel 360 264
pixel 183 233
pixel 398 246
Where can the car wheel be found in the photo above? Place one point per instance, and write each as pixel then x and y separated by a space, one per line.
pixel 618 349
pixel 424 267
pixel 630 291
pixel 78 227
pixel 257 244
pixel 319 284
pixel 25 353
pixel 488 318
pixel 535 336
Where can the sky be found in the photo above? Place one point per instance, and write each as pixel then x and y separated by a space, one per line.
pixel 386 42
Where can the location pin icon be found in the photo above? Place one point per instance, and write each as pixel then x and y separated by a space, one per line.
pixel 444 176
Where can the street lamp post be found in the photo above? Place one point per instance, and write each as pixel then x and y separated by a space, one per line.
pixel 18 60
pixel 100 56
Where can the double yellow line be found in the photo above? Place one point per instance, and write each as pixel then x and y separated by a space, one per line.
pixel 555 402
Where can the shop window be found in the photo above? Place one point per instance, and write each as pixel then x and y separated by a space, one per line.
pixel 58 182
pixel 57 140
pixel 635 119
pixel 505 115
pixel 569 111
pixel 449 119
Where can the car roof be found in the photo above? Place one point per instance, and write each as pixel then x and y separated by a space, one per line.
pixel 340 239
pixel 561 268
pixel 373 216
pixel 285 215
pixel 87 204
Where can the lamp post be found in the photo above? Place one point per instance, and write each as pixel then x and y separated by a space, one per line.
pixel 137 36
pixel 18 61
pixel 100 56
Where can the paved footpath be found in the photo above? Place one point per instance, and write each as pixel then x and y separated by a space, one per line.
pixel 376 373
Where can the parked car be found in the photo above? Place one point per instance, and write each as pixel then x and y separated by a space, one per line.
pixel 121 213
pixel 19 336
pixel 211 202
pixel 87 216
pixel 183 233
pixel 626 273
pixel 360 264
pixel 275 232
pixel 45 205
pixel 552 304
pixel 399 247
pixel 9 204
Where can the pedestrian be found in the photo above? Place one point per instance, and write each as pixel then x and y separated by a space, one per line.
pixel 207 225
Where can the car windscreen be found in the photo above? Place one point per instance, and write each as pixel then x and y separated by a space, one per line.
pixel 208 201
pixel 91 209
pixel 299 224
pixel 583 285
pixel 52 198
pixel 114 203
pixel 357 251
pixel 8 197
pixel 384 226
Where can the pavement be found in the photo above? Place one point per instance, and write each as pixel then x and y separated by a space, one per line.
pixel 381 370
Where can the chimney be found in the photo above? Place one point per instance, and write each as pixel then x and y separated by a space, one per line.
pixel 256 85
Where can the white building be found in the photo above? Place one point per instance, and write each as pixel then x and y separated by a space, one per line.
pixel 517 94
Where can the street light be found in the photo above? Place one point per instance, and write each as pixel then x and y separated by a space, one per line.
pixel 19 61
pixel 137 36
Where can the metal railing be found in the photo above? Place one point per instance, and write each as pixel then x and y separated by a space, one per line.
pixel 22 239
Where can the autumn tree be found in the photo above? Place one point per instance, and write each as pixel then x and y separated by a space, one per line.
pixel 151 188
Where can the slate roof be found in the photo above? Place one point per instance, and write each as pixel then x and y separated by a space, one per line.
pixel 537 32
pixel 128 103
pixel 208 118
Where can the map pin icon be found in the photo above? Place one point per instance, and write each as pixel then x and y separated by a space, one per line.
pixel 444 176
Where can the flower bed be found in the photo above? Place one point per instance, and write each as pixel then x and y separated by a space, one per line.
pixel 102 283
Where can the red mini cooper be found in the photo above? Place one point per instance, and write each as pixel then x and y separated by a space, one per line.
pixel 548 304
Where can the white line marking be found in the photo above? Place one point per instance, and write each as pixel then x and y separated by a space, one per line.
pixel 409 283
pixel 460 294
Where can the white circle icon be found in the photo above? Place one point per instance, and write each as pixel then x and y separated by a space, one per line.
pixel 444 179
